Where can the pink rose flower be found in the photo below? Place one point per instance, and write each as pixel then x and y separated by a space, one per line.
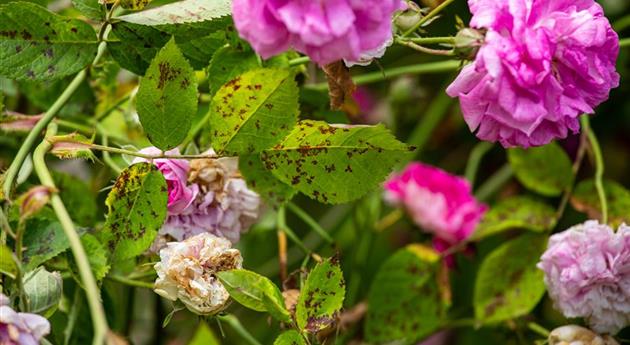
pixel 20 328
pixel 326 31
pixel 542 64
pixel 438 202
pixel 175 171
pixel 587 273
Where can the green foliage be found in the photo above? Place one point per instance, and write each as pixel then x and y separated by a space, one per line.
pixel 228 63
pixel 204 336
pixel 289 338
pixel 253 111
pixel 545 170
pixel 137 209
pixel 274 191
pixel 97 255
pixel 43 290
pixel 44 239
pixel 255 292
pixel 8 266
pixel 585 199
pixel 36 44
pixel 518 212
pixel 77 196
pixel 335 164
pixel 508 284
pixel 92 9
pixel 321 297
pixel 167 98
pixel 404 303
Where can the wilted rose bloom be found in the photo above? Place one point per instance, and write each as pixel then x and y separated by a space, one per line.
pixel 326 31
pixel 587 272
pixel 187 269
pixel 175 171
pixel 367 57
pixel 440 203
pixel 542 64
pixel 20 328
pixel 576 335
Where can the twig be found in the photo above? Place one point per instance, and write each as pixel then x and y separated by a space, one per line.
pixel 425 50
pixel 599 166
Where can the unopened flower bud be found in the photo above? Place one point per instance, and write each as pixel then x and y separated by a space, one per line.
pixel 576 335
pixel 34 200
pixel 187 271
pixel 467 43
pixel 15 122
pixel 407 19
pixel 71 146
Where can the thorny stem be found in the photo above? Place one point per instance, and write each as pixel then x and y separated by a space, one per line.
pixel 426 18
pixel 599 166
pixel 85 272
pixel 425 50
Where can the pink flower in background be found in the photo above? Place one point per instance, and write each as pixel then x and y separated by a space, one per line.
pixel 438 202
pixel 20 328
pixel 542 64
pixel 175 171
pixel 326 31
pixel 587 272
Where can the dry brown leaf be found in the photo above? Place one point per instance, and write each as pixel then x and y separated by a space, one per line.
pixel 340 84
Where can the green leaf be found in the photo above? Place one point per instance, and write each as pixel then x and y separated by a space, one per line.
pixel 92 9
pixel 8 266
pixel 585 199
pixel 98 256
pixel 518 212
pixel 255 292
pixel 404 300
pixel 228 63
pixel 43 290
pixel 167 98
pixel 43 239
pixel 508 283
pixel 204 336
pixel 291 337
pixel 546 170
pixel 134 5
pixel 335 164
pixel 254 111
pixel 321 297
pixel 137 210
pixel 274 191
pixel 78 197
pixel 37 44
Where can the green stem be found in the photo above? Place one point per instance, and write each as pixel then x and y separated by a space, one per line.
pixel 85 272
pixel 236 325
pixel 19 277
pixel 432 117
pixel 495 182
pixel 425 68
pixel 430 51
pixel 538 329
pixel 4 224
pixel 622 24
pixel 623 43
pixel 430 40
pixel 299 61
pixel 130 282
pixel 106 156
pixel 72 316
pixel 282 226
pixel 599 166
pixel 147 156
pixel 474 160
pixel 426 18
pixel 310 222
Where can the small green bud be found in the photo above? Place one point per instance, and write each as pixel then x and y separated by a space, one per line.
pixel 467 43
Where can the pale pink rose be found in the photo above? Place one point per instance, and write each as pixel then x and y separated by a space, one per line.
pixel 20 328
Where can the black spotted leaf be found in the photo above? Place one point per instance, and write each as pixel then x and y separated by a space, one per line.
pixel 8 266
pixel 228 63
pixel 291 337
pixel 167 98
pixel 321 297
pixel 36 44
pixel 44 239
pixel 255 292
pixel 518 212
pixel 585 199
pixel 404 299
pixel 545 170
pixel 509 284
pixel 137 210
pixel 274 191
pixel 335 164
pixel 253 111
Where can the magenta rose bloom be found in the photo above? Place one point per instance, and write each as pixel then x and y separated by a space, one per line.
pixel 542 64
pixel 587 272
pixel 326 30
pixel 175 171
pixel 20 328
pixel 438 202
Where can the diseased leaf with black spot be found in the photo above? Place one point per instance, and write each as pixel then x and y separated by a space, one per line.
pixel 291 337
pixel 134 5
pixel 274 191
pixel 333 163
pixel 44 239
pixel 404 303
pixel 546 170
pixel 137 210
pixel 321 297
pixel 253 111
pixel 255 292
pixel 36 44
pixel 509 284
pixel 585 199
pixel 228 63
pixel 167 98
pixel 518 212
